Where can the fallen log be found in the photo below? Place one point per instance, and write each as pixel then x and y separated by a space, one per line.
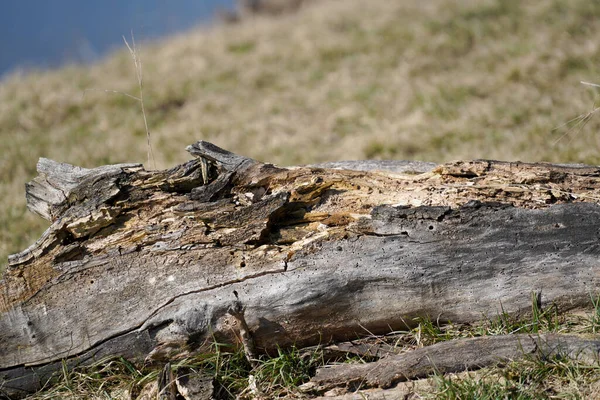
pixel 147 264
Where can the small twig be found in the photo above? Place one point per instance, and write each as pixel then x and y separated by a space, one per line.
pixel 237 311
pixel 166 384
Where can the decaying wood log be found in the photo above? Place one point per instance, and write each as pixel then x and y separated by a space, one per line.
pixel 453 356
pixel 145 264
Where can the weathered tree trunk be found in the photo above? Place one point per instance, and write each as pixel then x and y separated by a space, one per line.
pixel 147 264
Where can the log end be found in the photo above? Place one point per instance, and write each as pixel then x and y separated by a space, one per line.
pixel 58 185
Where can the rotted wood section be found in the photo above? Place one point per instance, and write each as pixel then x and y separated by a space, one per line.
pixel 146 264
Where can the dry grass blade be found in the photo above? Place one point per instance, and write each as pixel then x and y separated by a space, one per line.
pixel 111 91
pixel 580 122
pixel 589 84
pixel 138 71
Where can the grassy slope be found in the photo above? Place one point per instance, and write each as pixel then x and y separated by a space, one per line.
pixel 433 80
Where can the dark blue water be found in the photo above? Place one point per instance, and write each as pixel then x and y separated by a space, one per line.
pixel 49 33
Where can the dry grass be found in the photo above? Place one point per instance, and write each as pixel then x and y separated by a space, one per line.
pixel 436 80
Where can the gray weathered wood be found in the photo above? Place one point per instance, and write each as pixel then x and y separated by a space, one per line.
pixel 453 356
pixel 408 167
pixel 145 264
pixel 193 385
pixel 58 185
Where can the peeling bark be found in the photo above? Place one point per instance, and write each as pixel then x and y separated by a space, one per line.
pixel 145 263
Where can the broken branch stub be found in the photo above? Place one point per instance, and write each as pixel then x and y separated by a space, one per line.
pixel 453 356
pixel 144 264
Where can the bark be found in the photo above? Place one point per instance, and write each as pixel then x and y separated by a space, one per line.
pixel 146 264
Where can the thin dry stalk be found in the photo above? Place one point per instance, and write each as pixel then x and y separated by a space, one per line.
pixel 138 71
pixel 581 120
pixel 111 91
pixel 140 78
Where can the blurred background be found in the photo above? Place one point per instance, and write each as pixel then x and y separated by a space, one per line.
pixel 47 34
pixel 292 82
